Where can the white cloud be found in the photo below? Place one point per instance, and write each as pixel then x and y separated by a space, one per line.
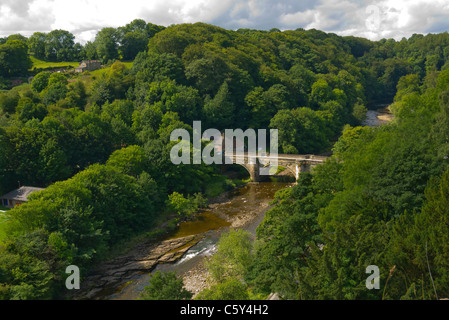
pixel 304 18
pixel 25 16
pixel 397 18
pixel 402 18
pixel 84 18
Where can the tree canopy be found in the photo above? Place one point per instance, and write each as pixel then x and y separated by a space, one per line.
pixel 99 143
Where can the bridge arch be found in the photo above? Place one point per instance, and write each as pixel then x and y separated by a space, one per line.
pixel 295 164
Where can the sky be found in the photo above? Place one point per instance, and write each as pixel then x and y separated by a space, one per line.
pixel 372 19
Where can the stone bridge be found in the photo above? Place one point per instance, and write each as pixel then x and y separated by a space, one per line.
pixel 294 163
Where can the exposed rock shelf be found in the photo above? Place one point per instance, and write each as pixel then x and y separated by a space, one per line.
pixel 142 259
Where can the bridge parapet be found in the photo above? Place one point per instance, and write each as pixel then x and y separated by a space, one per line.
pixel 294 163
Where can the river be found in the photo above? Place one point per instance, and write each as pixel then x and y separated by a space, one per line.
pixel 381 115
pixel 243 208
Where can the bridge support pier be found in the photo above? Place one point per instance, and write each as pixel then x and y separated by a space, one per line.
pixel 254 172
pixel 301 167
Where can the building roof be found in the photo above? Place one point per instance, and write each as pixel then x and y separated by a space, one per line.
pixel 21 194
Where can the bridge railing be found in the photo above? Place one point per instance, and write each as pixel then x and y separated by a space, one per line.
pixel 280 157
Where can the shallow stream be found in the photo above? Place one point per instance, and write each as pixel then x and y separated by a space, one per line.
pixel 243 208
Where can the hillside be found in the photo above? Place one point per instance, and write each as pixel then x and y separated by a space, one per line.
pixel 100 144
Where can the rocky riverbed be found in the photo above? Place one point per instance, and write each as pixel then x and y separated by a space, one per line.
pixel 104 278
pixel 196 279
pixel 124 277
pixel 375 118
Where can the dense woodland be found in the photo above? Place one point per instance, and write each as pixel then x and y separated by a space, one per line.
pixel 100 145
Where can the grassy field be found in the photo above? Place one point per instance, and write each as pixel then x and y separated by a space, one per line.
pixel 98 72
pixel 128 64
pixel 39 64
pixel 90 76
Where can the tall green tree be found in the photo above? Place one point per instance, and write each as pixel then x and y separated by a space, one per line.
pixel 36 44
pixel 107 44
pixel 14 59
pixel 220 110
pixel 59 45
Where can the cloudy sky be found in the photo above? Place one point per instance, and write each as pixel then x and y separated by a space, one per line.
pixel 365 18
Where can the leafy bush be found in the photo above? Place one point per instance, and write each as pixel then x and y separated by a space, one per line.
pixel 165 286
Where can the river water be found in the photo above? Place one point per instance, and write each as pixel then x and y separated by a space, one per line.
pixel 378 117
pixel 243 208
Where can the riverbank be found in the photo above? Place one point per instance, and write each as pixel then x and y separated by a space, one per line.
pixel 196 277
pixel 124 276
pixel 244 208
pixel 110 276
pixel 183 250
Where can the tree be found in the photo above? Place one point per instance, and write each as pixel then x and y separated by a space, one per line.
pixel 3 159
pixel 89 51
pixel 111 85
pixel 40 81
pixel 305 77
pixel 151 66
pixel 106 43
pixel 208 74
pixel 429 238
pixel 18 36
pixel 151 29
pixel 9 100
pixel 169 41
pixel 288 229
pixel 165 286
pixel 321 92
pixel 134 26
pixel 27 110
pixel 186 102
pixel 57 78
pixel 232 258
pixel 25 274
pixel 36 44
pixel 133 39
pixel 130 160
pixel 100 92
pixel 132 43
pixel 53 93
pixel 183 207
pixel 14 59
pixel 395 68
pixel 359 112
pixel 406 85
pixel 300 130
pixel 336 270
pixel 219 111
pixel 265 104
pixel 77 94
pixel 230 289
pixel 59 45
pixel 348 139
